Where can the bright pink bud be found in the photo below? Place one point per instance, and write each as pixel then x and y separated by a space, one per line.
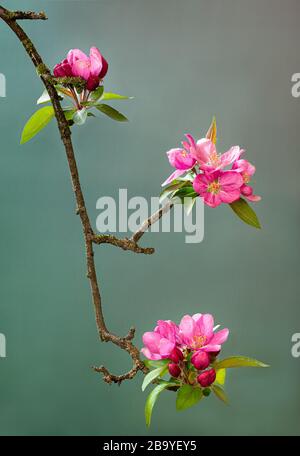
pixel 207 378
pixel 176 355
pixel 92 83
pixel 62 69
pixel 174 370
pixel 104 68
pixel 200 360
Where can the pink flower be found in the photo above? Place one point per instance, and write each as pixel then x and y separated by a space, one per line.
pixel 197 333
pixel 218 187
pixel 92 69
pixel 94 66
pixel 205 152
pixel 160 343
pixel 246 170
pixel 180 159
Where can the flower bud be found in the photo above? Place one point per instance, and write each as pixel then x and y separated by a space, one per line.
pixel 92 83
pixel 174 370
pixel 200 360
pixel 176 355
pixel 206 392
pixel 207 378
pixel 62 69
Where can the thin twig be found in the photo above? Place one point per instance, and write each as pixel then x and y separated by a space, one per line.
pixel 150 221
pixel 19 15
pixel 125 343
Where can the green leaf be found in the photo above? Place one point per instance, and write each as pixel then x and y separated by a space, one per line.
pixel 114 96
pixel 96 94
pixel 44 98
pixel 152 398
pixel 220 393
pixel 111 112
pixel 69 113
pixel 80 116
pixel 245 212
pixel 159 363
pixel 238 361
pixel 187 396
pixel 221 376
pixel 212 131
pixel 159 372
pixel 36 123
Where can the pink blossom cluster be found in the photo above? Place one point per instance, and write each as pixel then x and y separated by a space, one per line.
pixel 192 346
pixel 91 68
pixel 210 179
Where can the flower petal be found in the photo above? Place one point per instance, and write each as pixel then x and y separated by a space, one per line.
pixel 230 180
pixel 206 325
pixel 229 196
pixel 173 176
pixel 203 150
pixel 212 199
pixel 230 156
pixel 220 337
pixel 152 341
pixel 166 347
pixel 211 348
pixel 82 68
pixel 146 352
pixel 187 327
pixel 76 54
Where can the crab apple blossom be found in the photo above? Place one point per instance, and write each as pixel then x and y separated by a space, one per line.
pixel 218 187
pixel 180 159
pixel 209 160
pixel 207 378
pixel 197 333
pixel 91 68
pixel 160 343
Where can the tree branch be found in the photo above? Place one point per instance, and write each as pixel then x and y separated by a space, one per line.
pixel 90 238
pixel 19 15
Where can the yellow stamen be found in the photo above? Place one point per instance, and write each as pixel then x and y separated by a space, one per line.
pixel 214 187
pixel 214 159
pixel 246 178
pixel 198 342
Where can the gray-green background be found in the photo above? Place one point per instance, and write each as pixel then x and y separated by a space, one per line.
pixel 183 62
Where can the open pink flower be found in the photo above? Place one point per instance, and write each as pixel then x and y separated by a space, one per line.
pixel 197 333
pixel 160 343
pixel 180 159
pixel 205 152
pixel 218 187
pixel 246 170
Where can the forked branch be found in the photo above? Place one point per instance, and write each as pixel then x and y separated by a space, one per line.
pixel 90 238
